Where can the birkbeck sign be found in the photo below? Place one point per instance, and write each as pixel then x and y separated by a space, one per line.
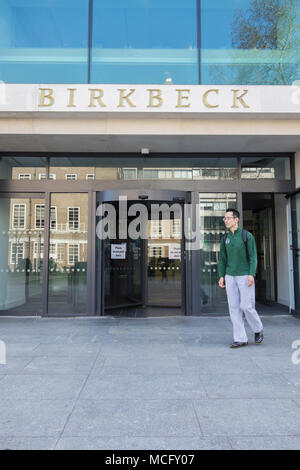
pixel 199 99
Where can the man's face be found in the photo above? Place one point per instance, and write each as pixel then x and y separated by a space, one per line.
pixel 229 220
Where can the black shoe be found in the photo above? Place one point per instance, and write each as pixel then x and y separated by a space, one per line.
pixel 236 344
pixel 258 337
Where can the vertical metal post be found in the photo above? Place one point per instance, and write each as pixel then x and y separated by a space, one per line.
pixel 91 255
pixel 46 254
pixel 90 38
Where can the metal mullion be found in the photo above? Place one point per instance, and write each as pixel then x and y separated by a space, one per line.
pixel 91 255
pixel 46 254
pixel 90 38
pixel 199 39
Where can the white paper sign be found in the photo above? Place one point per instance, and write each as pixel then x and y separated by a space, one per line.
pixel 118 251
pixel 174 252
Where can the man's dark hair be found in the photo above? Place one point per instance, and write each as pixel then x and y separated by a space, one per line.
pixel 234 212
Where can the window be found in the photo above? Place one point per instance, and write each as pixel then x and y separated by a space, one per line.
pixel 129 173
pixel 19 211
pixel 156 228
pixel 73 218
pixel 90 176
pixel 17 253
pixel 39 216
pixel 24 176
pixel 73 254
pixel 52 176
pixel 71 176
pixel 144 41
pixel 38 250
pixel 44 41
pixel 53 218
pixel 60 252
pixel 176 227
pixel 156 251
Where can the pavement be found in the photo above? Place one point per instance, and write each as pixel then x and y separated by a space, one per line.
pixel 166 383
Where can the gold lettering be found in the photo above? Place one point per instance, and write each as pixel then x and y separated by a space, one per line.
pixel 240 98
pixel 125 97
pixel 71 98
pixel 98 98
pixel 181 97
pixel 156 96
pixel 44 95
pixel 205 96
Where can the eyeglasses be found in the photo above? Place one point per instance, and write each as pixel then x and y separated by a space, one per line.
pixel 228 218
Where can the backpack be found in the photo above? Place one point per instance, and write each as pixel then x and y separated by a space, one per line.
pixel 245 240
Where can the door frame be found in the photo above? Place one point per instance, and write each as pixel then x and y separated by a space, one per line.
pixel 142 196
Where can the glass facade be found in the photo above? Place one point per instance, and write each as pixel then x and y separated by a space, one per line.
pixel 251 42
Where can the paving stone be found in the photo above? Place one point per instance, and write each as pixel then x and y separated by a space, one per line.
pixel 143 387
pixel 33 418
pixel 141 418
pixel 142 443
pixel 248 417
pixel 41 387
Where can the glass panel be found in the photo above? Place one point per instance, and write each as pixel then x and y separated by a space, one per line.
pixel 132 168
pixel 258 219
pixel 22 168
pixel 68 253
pixel 295 205
pixel 259 167
pixel 123 268
pixel 21 256
pixel 250 42
pixel 212 208
pixel 44 41
pixel 164 262
pixel 145 42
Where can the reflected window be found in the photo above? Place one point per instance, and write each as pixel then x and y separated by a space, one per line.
pixel 19 212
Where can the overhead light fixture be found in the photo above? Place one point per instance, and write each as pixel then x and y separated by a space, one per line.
pixel 168 81
pixel 145 151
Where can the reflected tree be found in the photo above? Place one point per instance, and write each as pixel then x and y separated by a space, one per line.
pixel 265 44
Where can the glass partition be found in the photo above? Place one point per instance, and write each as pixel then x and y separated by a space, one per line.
pixel 253 42
pixel 68 254
pixel 21 255
pixel 145 42
pixel 23 168
pixel 260 167
pixel 212 207
pixel 133 168
pixel 295 206
pixel 44 41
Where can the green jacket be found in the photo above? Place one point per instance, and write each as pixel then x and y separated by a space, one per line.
pixel 233 259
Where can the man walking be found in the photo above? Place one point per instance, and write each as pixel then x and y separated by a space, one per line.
pixel 237 267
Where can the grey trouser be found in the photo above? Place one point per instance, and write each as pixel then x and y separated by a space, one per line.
pixel 241 299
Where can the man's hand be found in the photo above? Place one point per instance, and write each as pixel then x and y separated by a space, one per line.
pixel 222 282
pixel 250 281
